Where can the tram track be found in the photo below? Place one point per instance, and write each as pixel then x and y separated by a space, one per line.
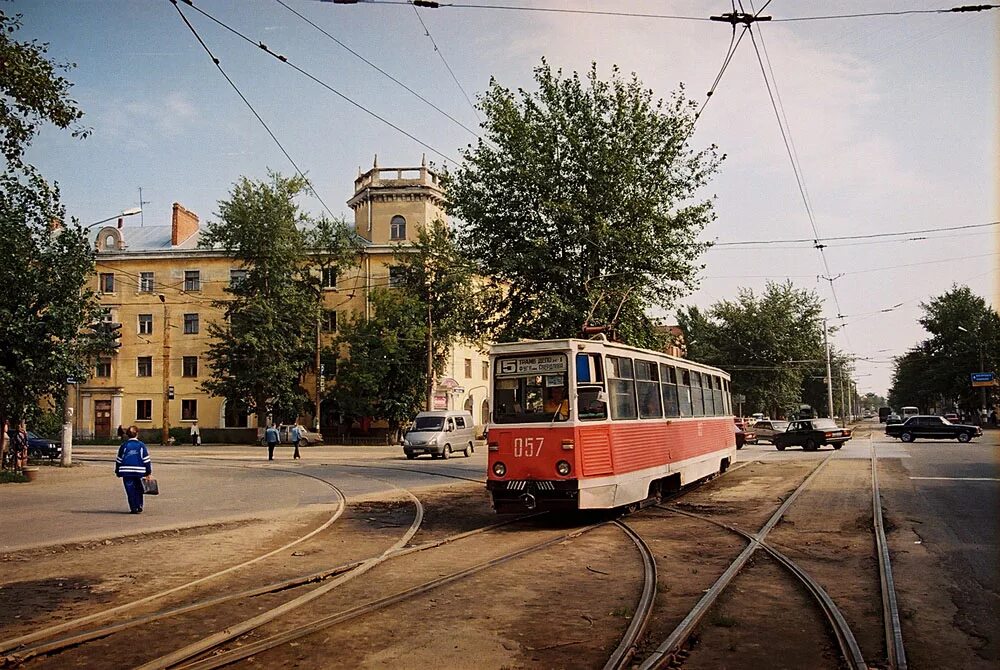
pixel 669 652
pixel 339 574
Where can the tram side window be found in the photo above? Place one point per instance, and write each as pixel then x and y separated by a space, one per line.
pixel 720 407
pixel 621 381
pixel 647 382
pixel 697 399
pixel 590 405
pixel 668 382
pixel 706 384
pixel 684 391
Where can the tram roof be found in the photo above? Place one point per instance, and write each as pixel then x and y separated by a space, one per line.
pixel 577 344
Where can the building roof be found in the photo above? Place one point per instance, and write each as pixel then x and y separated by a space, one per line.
pixel 147 238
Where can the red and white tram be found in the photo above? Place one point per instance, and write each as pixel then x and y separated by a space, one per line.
pixel 591 424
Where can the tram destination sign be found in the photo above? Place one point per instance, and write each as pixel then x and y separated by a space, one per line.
pixel 531 365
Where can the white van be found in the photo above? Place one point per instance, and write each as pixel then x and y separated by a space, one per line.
pixel 439 434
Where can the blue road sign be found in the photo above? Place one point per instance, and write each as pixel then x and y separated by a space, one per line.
pixel 982 376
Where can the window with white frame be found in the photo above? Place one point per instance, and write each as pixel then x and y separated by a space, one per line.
pixel 146 282
pixel 145 324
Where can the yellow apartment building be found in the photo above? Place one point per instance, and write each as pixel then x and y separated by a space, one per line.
pixel 161 288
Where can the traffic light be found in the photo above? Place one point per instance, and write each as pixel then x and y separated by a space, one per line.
pixel 114 332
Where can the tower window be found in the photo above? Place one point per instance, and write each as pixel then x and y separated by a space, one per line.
pixel 397 228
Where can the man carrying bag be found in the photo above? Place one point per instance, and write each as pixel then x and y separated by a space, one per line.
pixel 133 464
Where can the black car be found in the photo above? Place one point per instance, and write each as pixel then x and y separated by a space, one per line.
pixel 932 428
pixel 811 434
pixel 893 419
pixel 40 447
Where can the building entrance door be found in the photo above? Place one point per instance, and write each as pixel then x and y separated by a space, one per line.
pixel 102 418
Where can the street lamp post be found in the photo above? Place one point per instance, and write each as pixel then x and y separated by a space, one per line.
pixel 66 459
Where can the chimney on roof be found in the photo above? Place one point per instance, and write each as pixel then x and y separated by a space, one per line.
pixel 183 224
pixel 120 220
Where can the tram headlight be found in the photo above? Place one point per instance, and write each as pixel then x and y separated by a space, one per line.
pixel 499 469
pixel 563 468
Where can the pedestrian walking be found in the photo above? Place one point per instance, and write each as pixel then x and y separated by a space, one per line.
pixel 132 465
pixel 195 435
pixel 271 437
pixel 19 446
pixel 121 433
pixel 296 435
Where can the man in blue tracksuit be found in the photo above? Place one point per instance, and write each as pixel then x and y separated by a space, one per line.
pixel 133 463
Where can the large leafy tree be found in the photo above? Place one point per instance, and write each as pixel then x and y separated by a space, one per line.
pixel 45 306
pixel 964 338
pixel 439 278
pixel 267 338
pixel 385 375
pixel 581 199
pixel 771 344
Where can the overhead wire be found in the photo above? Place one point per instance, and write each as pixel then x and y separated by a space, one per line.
pixel 440 54
pixel 263 47
pixel 267 128
pixel 379 69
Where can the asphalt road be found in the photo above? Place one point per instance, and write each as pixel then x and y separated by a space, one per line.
pixel 207 485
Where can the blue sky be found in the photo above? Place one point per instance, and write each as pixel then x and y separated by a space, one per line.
pixel 893 121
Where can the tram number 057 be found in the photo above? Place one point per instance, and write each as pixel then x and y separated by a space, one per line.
pixel 528 446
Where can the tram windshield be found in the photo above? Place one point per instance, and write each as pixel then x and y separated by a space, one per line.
pixel 530 389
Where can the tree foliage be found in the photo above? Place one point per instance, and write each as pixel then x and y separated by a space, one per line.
pixel 385 376
pixel 268 337
pixel 964 338
pixel 31 93
pixel 46 305
pixel 772 345
pixel 580 199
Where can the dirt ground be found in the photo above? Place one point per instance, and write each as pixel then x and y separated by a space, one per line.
pixel 565 606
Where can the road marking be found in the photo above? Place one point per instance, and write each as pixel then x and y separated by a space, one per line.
pixel 963 479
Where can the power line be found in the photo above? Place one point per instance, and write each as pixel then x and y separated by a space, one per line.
pixel 868 236
pixel 247 103
pixel 380 70
pixel 443 60
pixel 430 4
pixel 263 47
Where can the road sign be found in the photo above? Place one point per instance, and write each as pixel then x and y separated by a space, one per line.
pixel 983 379
pixel 739 397
pixel 170 393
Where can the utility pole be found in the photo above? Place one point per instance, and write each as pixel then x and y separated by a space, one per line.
pixel 829 376
pixel 66 459
pixel 318 366
pixel 843 404
pixel 166 371
pixel 430 357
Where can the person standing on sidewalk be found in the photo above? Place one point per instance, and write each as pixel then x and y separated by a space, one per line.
pixel 132 464
pixel 295 434
pixel 195 435
pixel 271 437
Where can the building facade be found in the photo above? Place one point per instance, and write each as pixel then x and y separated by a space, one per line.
pixel 162 289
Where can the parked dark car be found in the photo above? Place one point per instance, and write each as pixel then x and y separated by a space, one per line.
pixel 41 447
pixel 893 419
pixel 932 428
pixel 811 434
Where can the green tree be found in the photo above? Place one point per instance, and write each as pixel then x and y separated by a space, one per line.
pixel 31 93
pixel 385 374
pixel 46 305
pixel 770 344
pixel 435 273
pixel 580 199
pixel 267 339
pixel 964 338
